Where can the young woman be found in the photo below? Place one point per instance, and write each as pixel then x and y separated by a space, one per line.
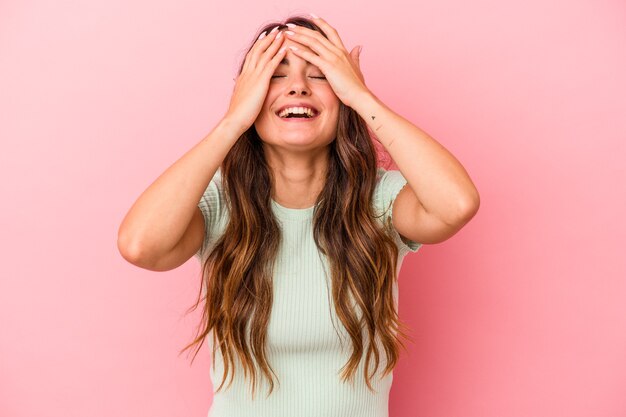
pixel 300 233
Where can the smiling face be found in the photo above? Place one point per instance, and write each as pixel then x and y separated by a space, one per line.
pixel 297 81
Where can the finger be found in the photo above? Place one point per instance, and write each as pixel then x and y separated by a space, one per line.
pixel 248 57
pixel 271 51
pixel 260 46
pixel 330 31
pixel 275 60
pixel 311 57
pixel 304 31
pixel 355 54
pixel 322 48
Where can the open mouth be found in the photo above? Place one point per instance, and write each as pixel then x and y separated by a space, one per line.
pixel 297 113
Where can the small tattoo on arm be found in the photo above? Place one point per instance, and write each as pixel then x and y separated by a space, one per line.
pixel 374 118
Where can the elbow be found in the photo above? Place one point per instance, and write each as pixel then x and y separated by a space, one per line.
pixel 129 250
pixel 132 250
pixel 464 210
pixel 468 207
pixel 138 254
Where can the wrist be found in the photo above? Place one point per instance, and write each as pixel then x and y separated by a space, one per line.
pixel 365 102
pixel 231 127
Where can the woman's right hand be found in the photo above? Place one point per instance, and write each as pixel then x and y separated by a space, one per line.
pixel 252 84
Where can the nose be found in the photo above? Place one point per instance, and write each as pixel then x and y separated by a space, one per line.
pixel 298 86
pixel 302 91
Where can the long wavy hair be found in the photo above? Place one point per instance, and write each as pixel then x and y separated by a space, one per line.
pixel 362 255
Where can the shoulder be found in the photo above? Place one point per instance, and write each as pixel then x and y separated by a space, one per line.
pixel 214 209
pixel 214 191
pixel 389 183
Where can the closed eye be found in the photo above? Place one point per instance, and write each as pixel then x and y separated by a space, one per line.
pixel 281 76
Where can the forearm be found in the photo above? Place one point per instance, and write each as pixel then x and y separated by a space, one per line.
pixel 158 219
pixel 437 178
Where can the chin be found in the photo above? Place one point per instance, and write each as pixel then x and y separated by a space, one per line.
pixel 293 140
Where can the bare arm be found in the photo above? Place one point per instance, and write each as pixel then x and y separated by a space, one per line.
pixel 151 234
pixel 441 197
pixel 165 227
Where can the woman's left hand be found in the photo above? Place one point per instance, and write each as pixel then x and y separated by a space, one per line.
pixel 340 67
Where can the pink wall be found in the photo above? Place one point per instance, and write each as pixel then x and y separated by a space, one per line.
pixel 522 313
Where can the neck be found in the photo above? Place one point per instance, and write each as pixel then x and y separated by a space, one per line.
pixel 298 178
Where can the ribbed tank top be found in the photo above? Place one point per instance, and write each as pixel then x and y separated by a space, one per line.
pixel 307 344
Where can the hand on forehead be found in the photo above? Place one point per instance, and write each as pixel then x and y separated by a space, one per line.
pixel 291 57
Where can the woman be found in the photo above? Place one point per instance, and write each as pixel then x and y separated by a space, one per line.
pixel 300 234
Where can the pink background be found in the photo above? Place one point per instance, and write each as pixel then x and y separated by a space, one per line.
pixel 522 313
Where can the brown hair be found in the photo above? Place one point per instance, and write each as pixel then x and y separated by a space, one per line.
pixel 362 255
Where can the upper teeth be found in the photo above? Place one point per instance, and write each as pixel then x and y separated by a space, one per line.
pixel 296 110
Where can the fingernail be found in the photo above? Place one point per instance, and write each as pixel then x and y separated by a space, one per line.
pixel 274 30
pixel 314 16
pixel 281 50
pixel 293 48
pixel 288 32
pixel 261 36
pixel 290 25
